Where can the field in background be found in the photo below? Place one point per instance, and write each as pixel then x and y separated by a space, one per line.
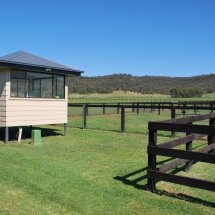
pixel 120 96
pixel 115 97
pixel 209 96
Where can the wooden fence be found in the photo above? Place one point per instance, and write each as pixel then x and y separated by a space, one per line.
pixel 135 107
pixel 135 100
pixel 181 157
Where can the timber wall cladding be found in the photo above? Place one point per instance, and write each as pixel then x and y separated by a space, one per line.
pixel 3 96
pixel 35 112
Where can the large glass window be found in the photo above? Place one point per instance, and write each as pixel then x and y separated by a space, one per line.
pixel 37 85
pixel 59 86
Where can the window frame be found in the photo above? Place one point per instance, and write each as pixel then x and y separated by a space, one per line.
pixel 27 86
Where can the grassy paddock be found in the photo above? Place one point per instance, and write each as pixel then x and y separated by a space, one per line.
pixel 131 97
pixel 111 120
pixel 95 171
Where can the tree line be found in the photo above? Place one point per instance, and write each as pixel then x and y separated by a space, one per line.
pixel 186 93
pixel 188 86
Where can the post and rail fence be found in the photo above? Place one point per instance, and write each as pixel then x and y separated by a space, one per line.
pixel 135 107
pixel 185 157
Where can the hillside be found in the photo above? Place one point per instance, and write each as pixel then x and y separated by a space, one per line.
pixel 143 84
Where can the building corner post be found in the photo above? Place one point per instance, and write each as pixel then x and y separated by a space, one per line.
pixel 6 140
pixel 65 129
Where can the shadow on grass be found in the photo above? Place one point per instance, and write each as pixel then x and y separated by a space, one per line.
pixel 96 129
pixel 125 179
pixel 180 196
pixel 168 134
pixel 26 132
pixel 111 130
pixel 118 130
pixel 185 197
pixel 135 182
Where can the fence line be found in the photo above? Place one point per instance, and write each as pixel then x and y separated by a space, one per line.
pixel 186 157
pixel 121 108
pixel 132 99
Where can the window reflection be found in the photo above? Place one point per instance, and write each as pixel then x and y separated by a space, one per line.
pixel 37 85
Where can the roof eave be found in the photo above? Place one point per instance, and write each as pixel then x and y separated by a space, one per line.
pixel 38 68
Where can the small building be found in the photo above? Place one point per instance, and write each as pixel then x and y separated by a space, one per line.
pixel 33 91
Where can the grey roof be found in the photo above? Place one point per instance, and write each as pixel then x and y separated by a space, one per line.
pixel 25 58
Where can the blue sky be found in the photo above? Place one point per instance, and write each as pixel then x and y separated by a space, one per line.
pixel 138 37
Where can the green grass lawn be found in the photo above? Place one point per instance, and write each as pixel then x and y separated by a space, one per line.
pixel 95 171
pixel 120 96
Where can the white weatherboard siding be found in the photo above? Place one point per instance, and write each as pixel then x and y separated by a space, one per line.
pixel 29 111
pixel 22 112
pixel 3 95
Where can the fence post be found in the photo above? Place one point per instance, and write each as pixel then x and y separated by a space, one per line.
pixel 87 109
pixel 84 116
pixel 137 108
pixel 159 109
pixel 172 117
pixel 122 119
pixel 184 109
pixel 211 105
pixel 151 183
pixel 188 165
pixel 211 138
pixel 118 108
pixel 195 111
pixel 132 107
pixel 103 109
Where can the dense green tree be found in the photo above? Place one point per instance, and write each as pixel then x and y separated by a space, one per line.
pixel 185 93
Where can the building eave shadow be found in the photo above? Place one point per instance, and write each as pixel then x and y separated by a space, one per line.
pixel 26 132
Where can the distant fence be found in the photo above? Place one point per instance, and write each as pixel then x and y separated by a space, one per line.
pixel 181 157
pixel 187 105
pixel 134 99
pixel 135 107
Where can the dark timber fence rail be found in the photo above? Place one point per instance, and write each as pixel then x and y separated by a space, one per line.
pixel 135 107
pixel 181 157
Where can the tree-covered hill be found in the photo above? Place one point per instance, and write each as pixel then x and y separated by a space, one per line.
pixel 143 84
